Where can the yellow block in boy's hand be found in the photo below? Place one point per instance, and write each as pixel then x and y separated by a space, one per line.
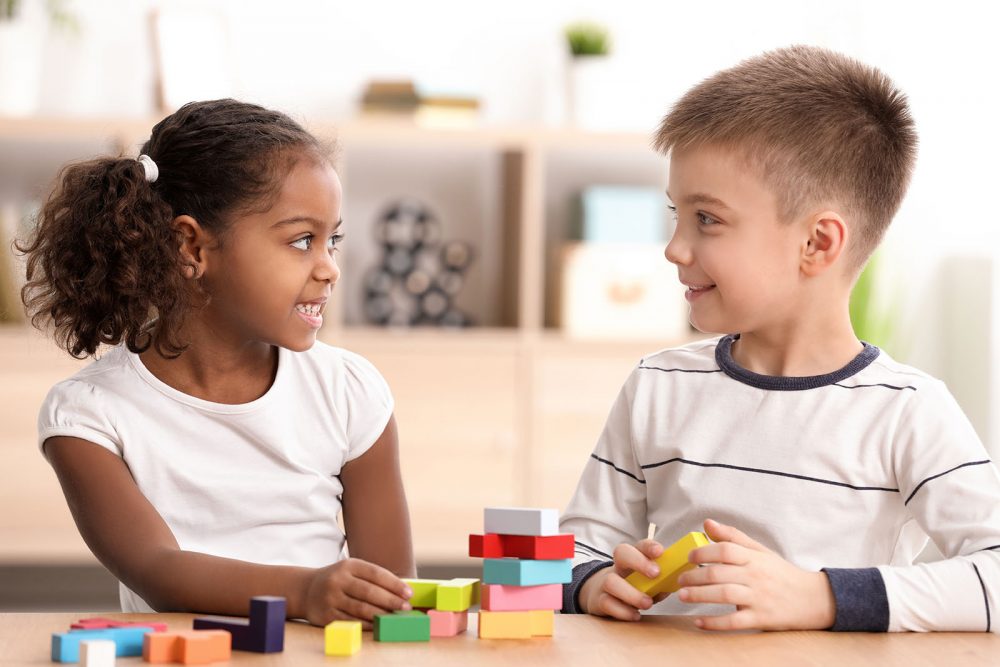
pixel 673 562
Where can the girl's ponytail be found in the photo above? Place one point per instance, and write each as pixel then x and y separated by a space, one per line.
pixel 103 261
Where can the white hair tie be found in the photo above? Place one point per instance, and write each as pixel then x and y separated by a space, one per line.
pixel 152 171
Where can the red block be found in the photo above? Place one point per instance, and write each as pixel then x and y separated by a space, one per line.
pixel 100 623
pixel 530 547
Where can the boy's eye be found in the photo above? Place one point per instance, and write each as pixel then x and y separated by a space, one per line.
pixel 705 220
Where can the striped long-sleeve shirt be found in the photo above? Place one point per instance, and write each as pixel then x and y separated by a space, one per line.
pixel 849 472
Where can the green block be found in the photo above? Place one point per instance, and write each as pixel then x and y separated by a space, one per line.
pixel 457 594
pixel 424 592
pixel 403 626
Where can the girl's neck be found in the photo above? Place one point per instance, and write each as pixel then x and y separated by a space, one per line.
pixel 216 367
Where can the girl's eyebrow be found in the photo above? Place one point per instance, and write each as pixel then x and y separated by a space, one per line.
pixel 305 218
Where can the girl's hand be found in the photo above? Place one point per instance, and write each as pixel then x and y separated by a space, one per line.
pixel 354 589
pixel 607 593
pixel 769 592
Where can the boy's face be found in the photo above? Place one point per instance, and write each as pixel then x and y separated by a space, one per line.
pixel 739 262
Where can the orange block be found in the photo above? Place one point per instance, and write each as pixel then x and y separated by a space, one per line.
pixel 192 647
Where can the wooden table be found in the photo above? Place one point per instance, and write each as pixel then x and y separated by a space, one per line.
pixel 578 641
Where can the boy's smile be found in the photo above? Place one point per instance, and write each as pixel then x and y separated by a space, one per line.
pixel 738 261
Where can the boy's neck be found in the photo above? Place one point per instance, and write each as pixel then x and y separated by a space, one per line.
pixel 798 351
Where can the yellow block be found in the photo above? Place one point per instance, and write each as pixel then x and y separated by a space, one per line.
pixel 424 592
pixel 542 622
pixel 673 562
pixel 504 624
pixel 342 637
pixel 457 594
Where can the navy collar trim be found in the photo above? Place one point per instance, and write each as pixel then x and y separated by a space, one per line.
pixel 724 357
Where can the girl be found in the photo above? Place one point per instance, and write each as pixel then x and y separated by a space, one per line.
pixel 206 455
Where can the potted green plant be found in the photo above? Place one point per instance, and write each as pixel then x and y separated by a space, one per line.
pixel 589 46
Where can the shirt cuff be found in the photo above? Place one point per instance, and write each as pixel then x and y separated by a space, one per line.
pixel 571 591
pixel 862 603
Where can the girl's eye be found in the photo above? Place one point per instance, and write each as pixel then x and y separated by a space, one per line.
pixel 705 220
pixel 304 243
pixel 334 241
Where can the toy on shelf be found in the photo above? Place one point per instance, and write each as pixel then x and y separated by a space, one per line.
pixel 673 562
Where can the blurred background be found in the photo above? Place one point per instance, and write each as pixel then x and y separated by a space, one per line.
pixel 504 214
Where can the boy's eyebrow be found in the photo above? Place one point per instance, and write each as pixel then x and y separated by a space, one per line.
pixel 304 218
pixel 701 198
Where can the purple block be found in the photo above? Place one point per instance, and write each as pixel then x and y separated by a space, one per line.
pixel 263 632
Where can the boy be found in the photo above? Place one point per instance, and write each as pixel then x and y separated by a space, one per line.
pixel 824 463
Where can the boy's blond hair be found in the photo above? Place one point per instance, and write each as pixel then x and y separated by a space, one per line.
pixel 819 128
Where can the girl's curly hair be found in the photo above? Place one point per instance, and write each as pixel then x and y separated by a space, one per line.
pixel 103 264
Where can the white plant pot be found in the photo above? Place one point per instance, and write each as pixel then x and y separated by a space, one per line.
pixel 21 44
pixel 591 92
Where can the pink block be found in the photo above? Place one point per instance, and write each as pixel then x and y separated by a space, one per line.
pixel 101 623
pixel 496 597
pixel 448 623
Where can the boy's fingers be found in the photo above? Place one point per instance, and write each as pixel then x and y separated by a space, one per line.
pixel 713 574
pixel 721 552
pixel 650 548
pixel 720 532
pixel 733 594
pixel 740 620
pixel 621 589
pixel 629 559
pixel 609 605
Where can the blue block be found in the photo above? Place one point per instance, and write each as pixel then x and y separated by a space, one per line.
pixel 128 642
pixel 516 572
pixel 263 632
pixel 620 214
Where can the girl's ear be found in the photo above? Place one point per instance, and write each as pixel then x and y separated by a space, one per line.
pixel 193 240
pixel 826 242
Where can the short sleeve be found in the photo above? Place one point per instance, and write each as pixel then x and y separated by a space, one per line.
pixel 77 409
pixel 369 404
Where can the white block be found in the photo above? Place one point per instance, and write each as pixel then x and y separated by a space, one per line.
pixel 521 521
pixel 97 653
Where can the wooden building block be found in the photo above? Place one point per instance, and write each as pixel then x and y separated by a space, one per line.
pixel 504 625
pixel 457 595
pixel 520 521
pixel 531 547
pixel 521 598
pixel 424 592
pixel 673 562
pixel 448 623
pixel 512 572
pixel 262 632
pixel 97 653
pixel 188 647
pixel 402 626
pixel 342 637
pixel 100 623
pixel 542 622
pixel 128 641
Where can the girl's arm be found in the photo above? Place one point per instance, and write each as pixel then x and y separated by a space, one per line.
pixel 131 539
pixel 376 517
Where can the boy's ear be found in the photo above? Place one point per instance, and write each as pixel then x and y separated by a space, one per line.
pixel 826 242
pixel 193 240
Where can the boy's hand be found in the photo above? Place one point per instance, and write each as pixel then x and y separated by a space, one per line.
pixel 769 592
pixel 607 593
pixel 353 589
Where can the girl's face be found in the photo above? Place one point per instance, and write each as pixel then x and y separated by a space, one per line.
pixel 275 270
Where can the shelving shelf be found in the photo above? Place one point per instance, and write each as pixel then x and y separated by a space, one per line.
pixel 500 414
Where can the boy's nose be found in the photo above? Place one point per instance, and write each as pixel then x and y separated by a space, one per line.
pixel 677 252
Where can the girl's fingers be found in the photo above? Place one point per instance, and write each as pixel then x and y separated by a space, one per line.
pixel 382 578
pixel 361 609
pixel 375 595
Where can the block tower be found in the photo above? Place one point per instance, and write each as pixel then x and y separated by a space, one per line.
pixel 526 562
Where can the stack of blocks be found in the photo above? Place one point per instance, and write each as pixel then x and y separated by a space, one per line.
pixel 526 562
pixel 440 609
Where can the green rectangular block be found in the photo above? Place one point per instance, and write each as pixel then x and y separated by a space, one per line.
pixel 457 594
pixel 403 626
pixel 424 592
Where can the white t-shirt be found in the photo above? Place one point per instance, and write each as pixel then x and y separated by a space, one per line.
pixel 258 481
